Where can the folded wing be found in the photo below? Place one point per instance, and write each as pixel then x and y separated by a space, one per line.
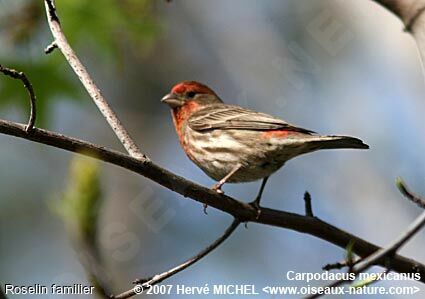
pixel 226 117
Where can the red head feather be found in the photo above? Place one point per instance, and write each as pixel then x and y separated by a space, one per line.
pixel 191 86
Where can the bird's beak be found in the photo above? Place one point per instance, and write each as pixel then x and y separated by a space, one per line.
pixel 172 100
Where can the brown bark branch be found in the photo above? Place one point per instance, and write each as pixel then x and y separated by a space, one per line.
pixel 240 210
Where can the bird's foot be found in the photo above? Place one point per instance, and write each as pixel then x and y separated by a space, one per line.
pixel 255 204
pixel 217 188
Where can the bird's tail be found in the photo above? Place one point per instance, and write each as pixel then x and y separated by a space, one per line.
pixel 334 142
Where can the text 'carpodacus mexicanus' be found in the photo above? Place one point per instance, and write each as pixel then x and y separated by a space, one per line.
pixel 233 144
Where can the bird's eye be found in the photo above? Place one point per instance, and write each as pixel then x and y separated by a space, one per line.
pixel 191 94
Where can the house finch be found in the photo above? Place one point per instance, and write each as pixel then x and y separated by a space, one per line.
pixel 233 144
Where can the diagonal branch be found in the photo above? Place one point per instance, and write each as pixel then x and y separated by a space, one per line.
pixel 143 284
pixel 28 86
pixel 383 254
pixel 94 92
pixel 240 210
pixel 389 251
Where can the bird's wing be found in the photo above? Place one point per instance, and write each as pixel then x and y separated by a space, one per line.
pixel 227 117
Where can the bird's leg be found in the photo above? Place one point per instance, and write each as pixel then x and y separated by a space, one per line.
pixel 256 202
pixel 217 187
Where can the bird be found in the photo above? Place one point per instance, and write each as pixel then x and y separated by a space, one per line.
pixel 232 144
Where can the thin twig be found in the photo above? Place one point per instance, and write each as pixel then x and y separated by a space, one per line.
pixel 145 283
pixel 28 86
pixel 94 92
pixel 308 207
pixel 340 265
pixel 420 201
pixel 348 262
pixel 50 48
pixel 240 210
pixel 383 255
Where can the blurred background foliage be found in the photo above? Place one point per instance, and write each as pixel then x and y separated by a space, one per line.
pixel 79 205
pixel 336 67
pixel 104 28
